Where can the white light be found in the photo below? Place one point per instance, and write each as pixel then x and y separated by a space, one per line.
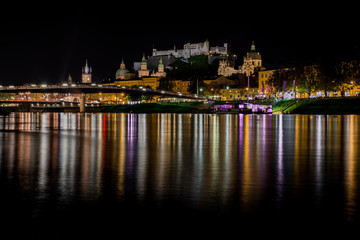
pixel 123 87
pixel 93 84
pixel 43 85
pixel 162 92
pixel 65 84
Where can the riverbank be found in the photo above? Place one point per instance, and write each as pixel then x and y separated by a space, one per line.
pixel 345 105
pixel 157 108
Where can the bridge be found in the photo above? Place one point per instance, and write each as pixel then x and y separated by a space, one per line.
pixel 83 89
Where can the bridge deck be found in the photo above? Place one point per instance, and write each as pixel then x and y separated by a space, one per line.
pixel 93 88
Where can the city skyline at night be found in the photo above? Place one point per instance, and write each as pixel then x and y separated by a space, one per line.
pixel 46 45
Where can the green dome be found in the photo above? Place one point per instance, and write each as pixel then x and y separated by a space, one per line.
pixel 121 72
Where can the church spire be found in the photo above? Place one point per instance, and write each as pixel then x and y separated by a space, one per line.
pixel 70 79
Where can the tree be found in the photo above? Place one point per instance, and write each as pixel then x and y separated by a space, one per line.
pixel 308 79
pixel 348 76
pixel 280 76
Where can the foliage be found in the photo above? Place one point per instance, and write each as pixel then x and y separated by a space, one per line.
pixel 195 69
pixel 307 79
pixel 280 76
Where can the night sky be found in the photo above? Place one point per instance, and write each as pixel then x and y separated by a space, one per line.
pixel 45 43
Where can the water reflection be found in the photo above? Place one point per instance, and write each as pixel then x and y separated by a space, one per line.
pixel 241 163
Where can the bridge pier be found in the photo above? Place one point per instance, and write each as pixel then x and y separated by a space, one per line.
pixel 82 103
pixel 24 107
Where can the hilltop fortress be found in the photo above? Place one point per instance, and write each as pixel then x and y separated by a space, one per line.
pixel 193 49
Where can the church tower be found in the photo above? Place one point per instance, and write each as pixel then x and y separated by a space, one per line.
pixel 143 72
pixel 69 79
pixel 86 74
pixel 252 60
pixel 161 66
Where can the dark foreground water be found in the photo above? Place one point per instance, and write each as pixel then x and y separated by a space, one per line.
pixel 65 175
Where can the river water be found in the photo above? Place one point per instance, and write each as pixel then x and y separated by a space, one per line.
pixel 94 174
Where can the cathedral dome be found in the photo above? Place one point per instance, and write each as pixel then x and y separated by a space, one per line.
pixel 121 71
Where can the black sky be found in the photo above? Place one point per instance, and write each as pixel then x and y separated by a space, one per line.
pixel 47 42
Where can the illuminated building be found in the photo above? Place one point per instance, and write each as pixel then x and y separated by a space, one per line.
pixel 86 74
pixel 225 68
pixel 143 72
pixel 160 73
pixel 120 73
pixel 152 82
pixel 264 84
pixel 252 60
pixel 193 49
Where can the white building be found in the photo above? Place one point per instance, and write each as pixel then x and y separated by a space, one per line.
pixel 252 61
pixel 225 69
pixel 192 49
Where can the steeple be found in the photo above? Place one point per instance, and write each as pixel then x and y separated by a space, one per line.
pixel 143 58
pixel 86 73
pixel 252 46
pixel 70 79
pixel 122 65
pixel 161 65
